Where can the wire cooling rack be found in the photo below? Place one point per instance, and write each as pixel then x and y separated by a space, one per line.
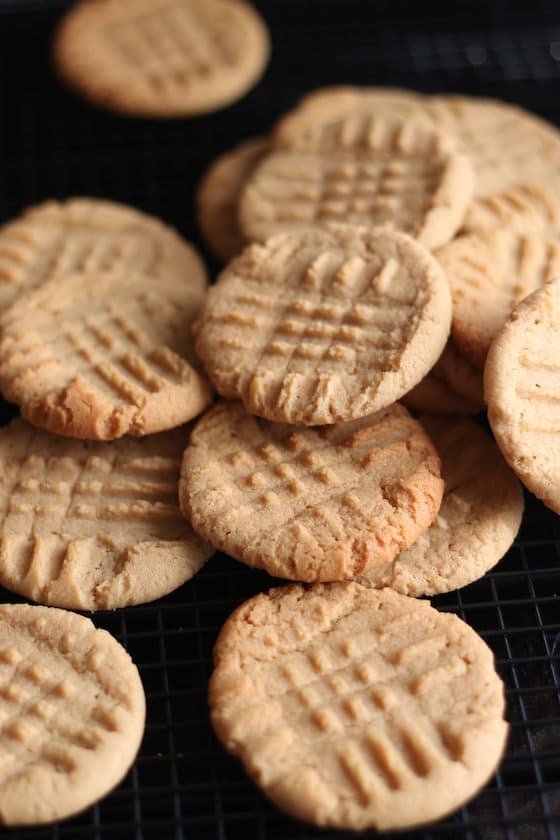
pixel 183 785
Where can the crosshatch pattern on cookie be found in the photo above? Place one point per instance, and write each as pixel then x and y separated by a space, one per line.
pixel 489 274
pixel 319 328
pixel 361 170
pixel 522 389
pixel 362 705
pixel 87 236
pixel 330 104
pixel 97 356
pixel 79 521
pixel 524 208
pixel 169 43
pixel 173 57
pixel 476 523
pixel 478 128
pixel 72 710
pixel 310 504
pixel 537 388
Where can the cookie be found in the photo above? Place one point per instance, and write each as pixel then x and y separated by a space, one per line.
pixel 102 355
pixel 323 326
pixel 166 59
pixel 329 104
pixel 311 504
pixel 453 386
pixel 218 195
pixel 505 144
pixel 354 708
pixel 522 390
pixel 489 274
pixel 476 524
pixel 72 708
pixel 364 169
pixel 523 208
pixel 86 235
pixel 91 526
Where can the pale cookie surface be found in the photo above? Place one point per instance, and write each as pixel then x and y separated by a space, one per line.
pixel 478 520
pixel 489 274
pixel 357 708
pixel 522 390
pixel 99 356
pixel 327 105
pixel 86 235
pixel 324 326
pixel 505 144
pixel 524 208
pixel 310 503
pixel 218 196
pixel 453 386
pixel 73 711
pixel 364 169
pixel 92 526
pixel 162 58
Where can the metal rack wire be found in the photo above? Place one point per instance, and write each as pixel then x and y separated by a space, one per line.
pixel 51 144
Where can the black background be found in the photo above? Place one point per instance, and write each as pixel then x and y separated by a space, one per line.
pixel 183 785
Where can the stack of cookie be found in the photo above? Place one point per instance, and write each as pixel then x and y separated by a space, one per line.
pixel 391 243
pixel 373 217
pixel 97 301
pixel 503 247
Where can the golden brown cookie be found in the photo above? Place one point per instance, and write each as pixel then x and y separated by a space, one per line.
pixel 323 326
pixel 103 355
pixel 365 169
pixel 72 709
pixel 329 104
pixel 86 235
pixel 477 523
pixel 505 144
pixel 489 274
pixel 162 59
pixel 524 208
pixel 91 526
pixel 453 386
pixel 218 196
pixel 522 390
pixel 355 708
pixel 310 504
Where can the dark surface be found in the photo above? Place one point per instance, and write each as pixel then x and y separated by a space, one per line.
pixel 183 785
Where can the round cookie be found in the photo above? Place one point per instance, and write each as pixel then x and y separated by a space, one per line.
pixel 218 196
pixel 489 274
pixel 177 58
pixel 452 386
pixel 73 710
pixel 365 169
pixel 523 208
pixel 323 326
pixel 91 526
pixel 354 708
pixel 86 235
pixel 103 355
pixel 311 504
pixel 505 144
pixel 329 104
pixel 476 524
pixel 522 390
